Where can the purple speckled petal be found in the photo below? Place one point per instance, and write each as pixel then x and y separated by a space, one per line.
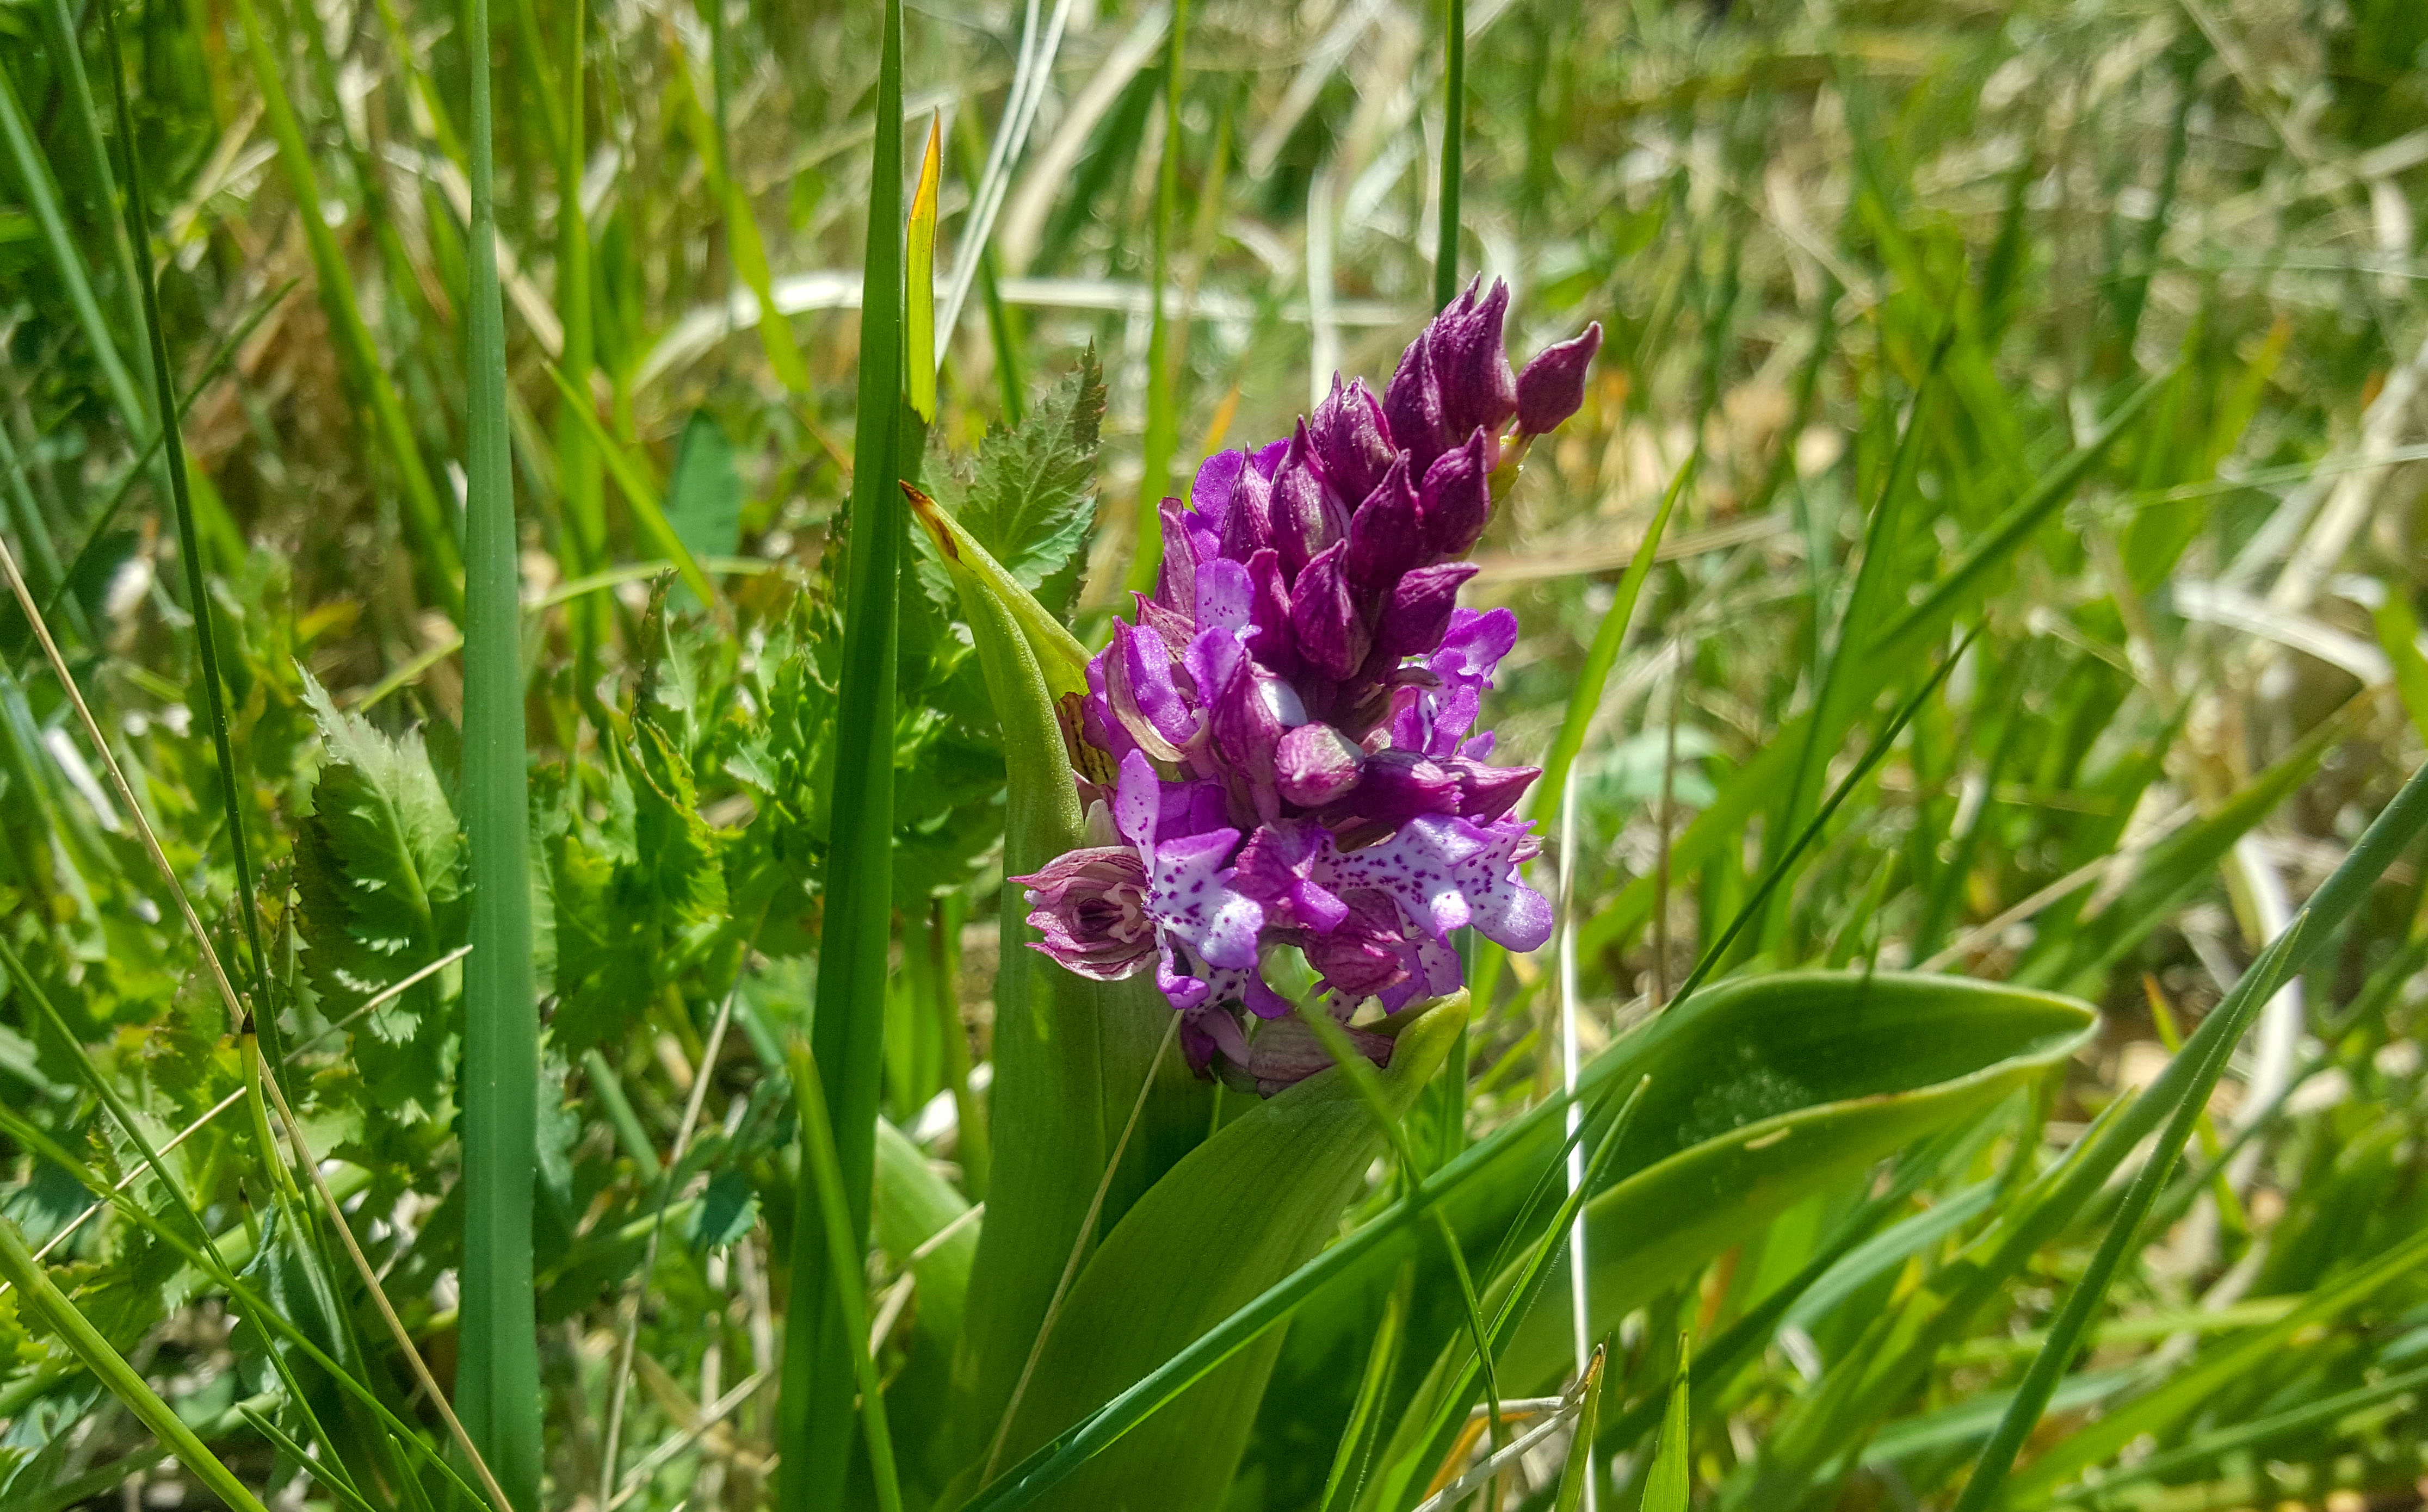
pixel 1227 595
pixel 1419 867
pixel 1455 502
pixel 1276 869
pixel 1138 803
pixel 1552 388
pixel 1190 894
pixel 1433 971
pixel 1352 440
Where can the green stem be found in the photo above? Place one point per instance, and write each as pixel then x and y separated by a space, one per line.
pixel 1453 155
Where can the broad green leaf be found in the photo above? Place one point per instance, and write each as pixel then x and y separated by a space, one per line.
pixel 380 866
pixel 1238 1213
pixel 1069 1053
pixel 915 1206
pixel 1031 500
pixel 1763 1091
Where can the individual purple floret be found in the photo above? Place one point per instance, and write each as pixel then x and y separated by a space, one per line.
pixel 1290 718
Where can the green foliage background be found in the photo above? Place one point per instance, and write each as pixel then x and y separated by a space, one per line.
pixel 2093 330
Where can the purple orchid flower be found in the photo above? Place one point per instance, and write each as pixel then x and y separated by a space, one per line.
pixel 1292 713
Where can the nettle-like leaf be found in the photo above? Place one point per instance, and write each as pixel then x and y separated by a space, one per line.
pixel 1031 500
pixel 379 863
pixel 640 896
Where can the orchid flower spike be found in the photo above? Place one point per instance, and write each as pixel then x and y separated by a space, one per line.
pixel 1291 716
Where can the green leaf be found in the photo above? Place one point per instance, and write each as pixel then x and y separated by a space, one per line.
pixel 1030 501
pixel 814 1430
pixel 1763 1091
pixel 704 497
pixel 1578 1472
pixel 1069 1053
pixel 1236 1214
pixel 380 865
pixel 1670 1482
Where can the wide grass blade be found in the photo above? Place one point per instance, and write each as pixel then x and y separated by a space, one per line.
pixel 843 1248
pixel 2183 1092
pixel 497 1383
pixel 814 1417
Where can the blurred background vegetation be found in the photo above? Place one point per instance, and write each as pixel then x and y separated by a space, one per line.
pixel 1867 262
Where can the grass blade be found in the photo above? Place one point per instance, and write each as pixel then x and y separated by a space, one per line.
pixel 1357 1441
pixel 843 1248
pixel 1453 153
pixel 1577 1476
pixel 2203 1060
pixel 34 1284
pixel 1670 1481
pixel 498 1380
pixel 189 546
pixel 640 492
pixel 1163 382
pixel 813 1407
pixel 1584 700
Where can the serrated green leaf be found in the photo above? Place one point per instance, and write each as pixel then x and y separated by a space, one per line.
pixel 380 867
pixel 1031 500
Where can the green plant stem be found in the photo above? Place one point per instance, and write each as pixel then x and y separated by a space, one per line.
pixel 497 1386
pixel 814 1417
pixel 1453 155
pixel 1162 379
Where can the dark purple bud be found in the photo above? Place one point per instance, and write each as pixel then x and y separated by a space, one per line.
pixel 1315 764
pixel 1272 641
pixel 1352 441
pixel 1470 363
pixel 1420 610
pixel 1393 787
pixel 1486 793
pixel 1455 501
pixel 1412 405
pixel 1384 537
pixel 1366 954
pixel 1554 384
pixel 1248 525
pixel 1333 637
pixel 1307 518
